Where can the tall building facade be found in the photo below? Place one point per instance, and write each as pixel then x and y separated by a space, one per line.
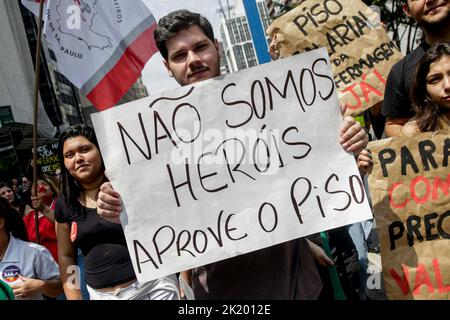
pixel 66 93
pixel 59 96
pixel 18 40
pixel 238 48
pixel 137 91
pixel 64 104
pixel 58 105
pixel 224 68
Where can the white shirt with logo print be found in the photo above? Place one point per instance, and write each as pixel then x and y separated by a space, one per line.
pixel 29 260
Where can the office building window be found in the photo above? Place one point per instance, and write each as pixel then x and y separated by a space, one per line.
pixel 250 54
pixel 240 58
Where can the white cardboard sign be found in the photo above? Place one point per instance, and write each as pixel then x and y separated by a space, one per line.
pixel 231 165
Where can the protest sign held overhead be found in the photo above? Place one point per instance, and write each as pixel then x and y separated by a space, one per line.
pixel 361 52
pixel 409 185
pixel 231 165
pixel 48 158
pixel 100 46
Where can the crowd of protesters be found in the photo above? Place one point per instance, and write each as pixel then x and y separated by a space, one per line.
pixel 78 215
pixel 17 194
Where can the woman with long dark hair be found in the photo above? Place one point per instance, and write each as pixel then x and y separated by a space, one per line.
pixel 7 193
pixel 108 267
pixel 431 92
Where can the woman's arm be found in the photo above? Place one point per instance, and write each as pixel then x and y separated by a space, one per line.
pixel 187 277
pixel 30 287
pixel 48 212
pixel 67 260
pixel 27 210
pixel 410 129
pixel 364 161
pixel 52 288
pixel 320 254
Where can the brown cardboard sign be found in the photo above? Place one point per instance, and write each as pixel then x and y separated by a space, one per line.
pixel 361 52
pixel 409 184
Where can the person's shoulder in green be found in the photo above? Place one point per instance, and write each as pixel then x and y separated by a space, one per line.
pixel 6 292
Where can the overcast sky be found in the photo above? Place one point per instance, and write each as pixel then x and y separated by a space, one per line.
pixel 155 75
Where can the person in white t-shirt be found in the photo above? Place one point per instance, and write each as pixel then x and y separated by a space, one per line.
pixel 28 268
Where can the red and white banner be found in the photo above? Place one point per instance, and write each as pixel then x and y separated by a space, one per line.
pixel 100 46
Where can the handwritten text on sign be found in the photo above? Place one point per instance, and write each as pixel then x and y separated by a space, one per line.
pixel 361 52
pixel 231 165
pixel 48 159
pixel 410 190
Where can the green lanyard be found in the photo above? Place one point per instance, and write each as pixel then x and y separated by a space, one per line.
pixel 360 119
pixel 338 292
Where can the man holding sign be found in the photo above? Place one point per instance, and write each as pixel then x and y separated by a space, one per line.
pixel 282 271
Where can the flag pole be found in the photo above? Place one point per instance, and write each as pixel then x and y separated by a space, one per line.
pixel 35 112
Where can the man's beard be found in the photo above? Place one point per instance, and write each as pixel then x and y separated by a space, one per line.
pixel 436 27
